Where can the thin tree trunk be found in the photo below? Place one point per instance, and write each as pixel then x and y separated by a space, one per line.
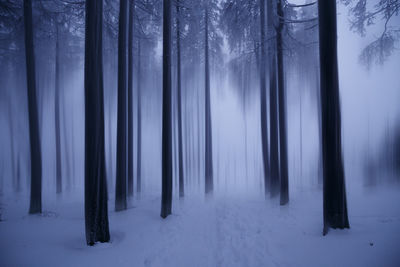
pixel 318 94
pixel 208 131
pixel 282 111
pixel 274 147
pixel 273 105
pixel 139 123
pixel 96 213
pixel 263 96
pixel 179 81
pixel 121 176
pixel 36 155
pixel 334 203
pixel 66 146
pixel 130 99
pixel 166 196
pixel 57 115
pixel 14 177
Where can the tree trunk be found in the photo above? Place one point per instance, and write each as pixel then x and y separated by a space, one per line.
pixel 282 110
pixel 15 178
pixel 318 95
pixel 130 99
pixel 208 131
pixel 66 145
pixel 57 115
pixel 179 81
pixel 166 197
pixel 273 105
pixel 96 213
pixel 121 176
pixel 335 204
pixel 263 96
pixel 139 124
pixel 36 156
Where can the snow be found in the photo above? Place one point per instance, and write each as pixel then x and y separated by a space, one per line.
pixel 224 230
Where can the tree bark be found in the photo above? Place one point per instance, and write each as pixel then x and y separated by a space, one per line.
pixel 121 176
pixel 334 191
pixel 96 213
pixel 208 131
pixel 284 197
pixel 34 138
pixel 166 196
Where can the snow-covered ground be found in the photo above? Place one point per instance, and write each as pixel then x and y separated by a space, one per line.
pixel 226 230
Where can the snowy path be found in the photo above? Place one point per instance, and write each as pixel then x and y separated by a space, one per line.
pixel 223 231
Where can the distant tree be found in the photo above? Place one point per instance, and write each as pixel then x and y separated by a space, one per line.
pixel 36 156
pixel 263 97
pixel 166 196
pixel 179 95
pixel 130 98
pixel 58 18
pixel 96 213
pixel 121 177
pixel 209 186
pixel 139 121
pixel 334 199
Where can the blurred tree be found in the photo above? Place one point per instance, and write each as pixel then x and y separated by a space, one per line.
pixel 96 212
pixel 334 199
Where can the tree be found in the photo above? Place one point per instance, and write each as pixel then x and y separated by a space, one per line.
pixel 363 15
pixel 263 97
pixel 57 114
pixel 273 105
pixel 208 131
pixel 335 205
pixel 36 156
pixel 179 95
pixel 284 196
pixel 120 186
pixel 96 213
pixel 166 196
pixel 139 122
pixel 130 98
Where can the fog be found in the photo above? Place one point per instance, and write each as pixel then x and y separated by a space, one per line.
pixel 370 125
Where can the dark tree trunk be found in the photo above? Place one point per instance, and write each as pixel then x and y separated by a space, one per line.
pixel 318 95
pixel 263 96
pixel 121 176
pixel 282 110
pixel 208 131
pixel 96 213
pixel 273 110
pixel 139 124
pixel 36 155
pixel 179 81
pixel 130 99
pixel 335 205
pixel 57 115
pixel 166 197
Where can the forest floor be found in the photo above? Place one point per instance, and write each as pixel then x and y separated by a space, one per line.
pixel 230 230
